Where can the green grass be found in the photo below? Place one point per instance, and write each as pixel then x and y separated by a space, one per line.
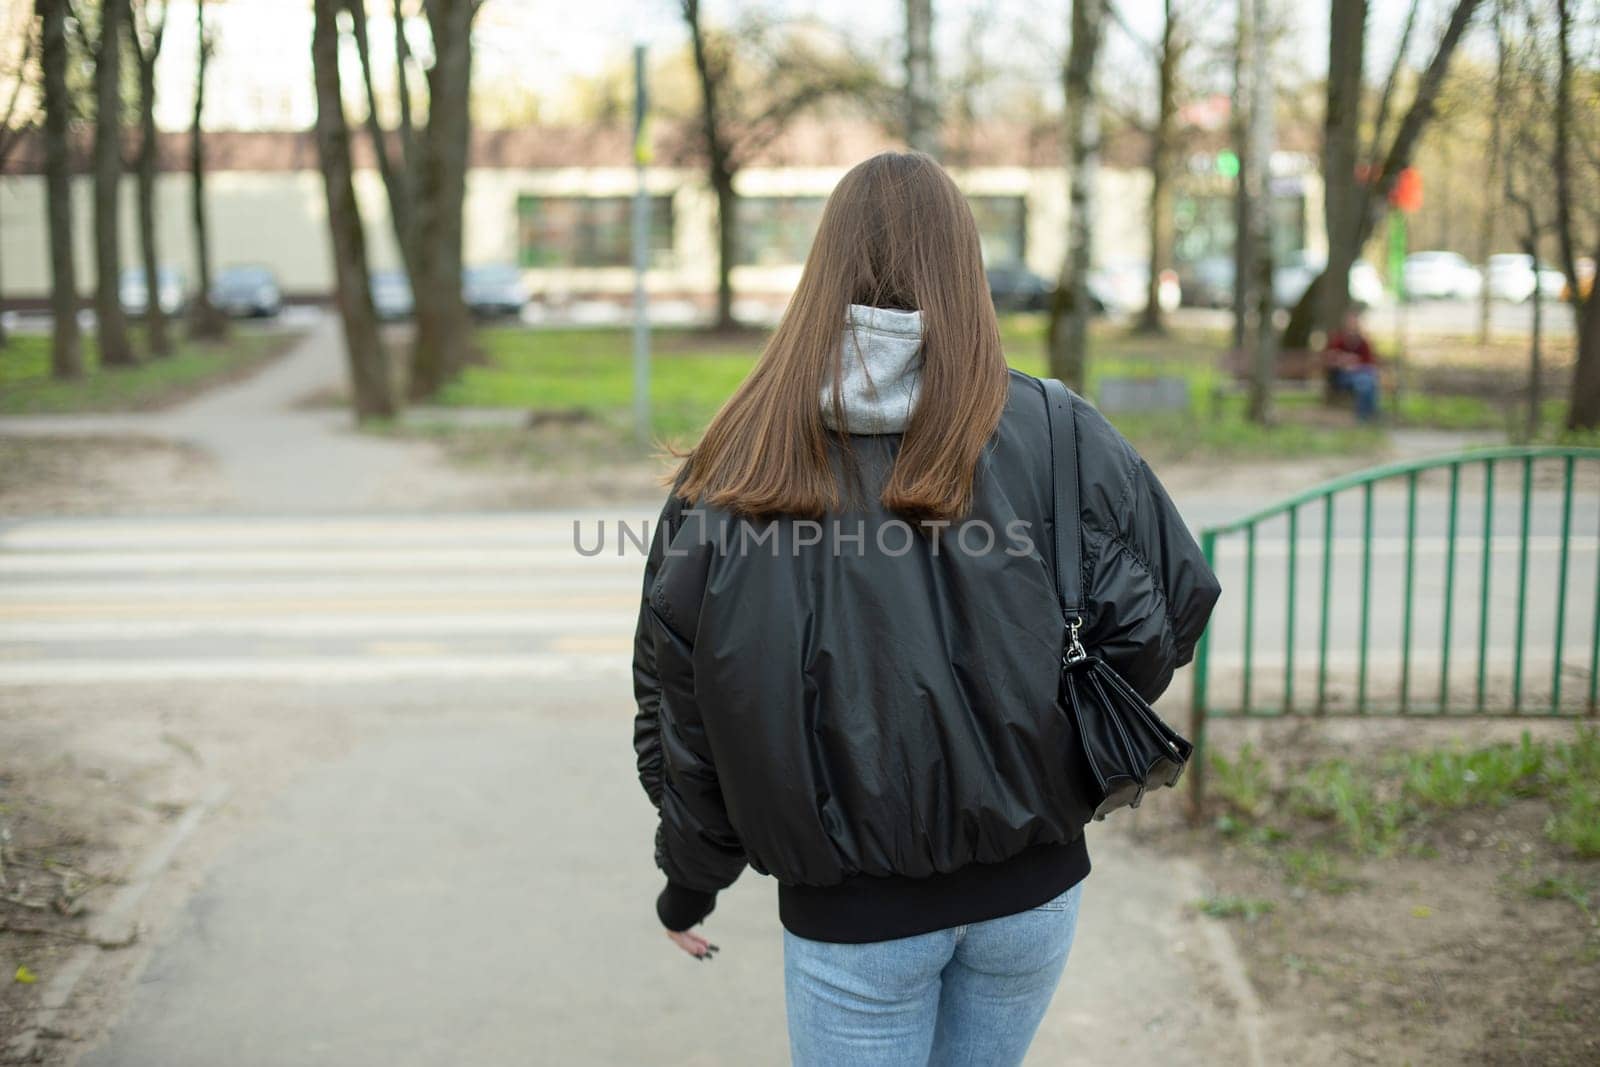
pixel 1376 807
pixel 692 373
pixel 26 387
pixel 1227 906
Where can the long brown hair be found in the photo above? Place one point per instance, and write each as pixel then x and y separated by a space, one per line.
pixel 896 233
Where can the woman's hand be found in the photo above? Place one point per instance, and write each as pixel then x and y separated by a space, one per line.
pixel 692 943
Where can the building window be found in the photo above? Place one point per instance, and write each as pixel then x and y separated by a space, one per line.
pixel 588 231
pixel 1002 228
pixel 776 231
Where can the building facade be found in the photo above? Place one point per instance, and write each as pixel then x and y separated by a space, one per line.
pixel 557 203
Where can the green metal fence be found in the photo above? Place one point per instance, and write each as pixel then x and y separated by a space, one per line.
pixel 1284 670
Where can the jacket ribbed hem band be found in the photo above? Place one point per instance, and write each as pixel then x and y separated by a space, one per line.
pixel 874 908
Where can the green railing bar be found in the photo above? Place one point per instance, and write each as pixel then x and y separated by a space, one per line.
pixel 1249 614
pixel 1449 584
pixel 1376 474
pixel 1405 615
pixel 1522 581
pixel 1561 583
pixel 1288 628
pixel 1366 595
pixel 1327 596
pixel 1204 650
pixel 1483 585
pixel 1594 645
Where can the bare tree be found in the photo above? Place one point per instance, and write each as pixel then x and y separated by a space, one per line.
pixel 398 179
pixel 111 325
pixel 1163 150
pixel 1370 198
pixel 922 108
pixel 66 348
pixel 205 321
pixel 1583 402
pixel 371 384
pixel 1068 338
pixel 1257 177
pixel 1239 137
pixel 737 120
pixel 146 32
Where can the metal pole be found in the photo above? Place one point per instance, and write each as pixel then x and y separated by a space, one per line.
pixel 641 254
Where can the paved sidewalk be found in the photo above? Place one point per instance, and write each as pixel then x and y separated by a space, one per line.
pixel 458 893
pixel 277 458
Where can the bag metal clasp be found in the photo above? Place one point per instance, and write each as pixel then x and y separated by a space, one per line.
pixel 1075 650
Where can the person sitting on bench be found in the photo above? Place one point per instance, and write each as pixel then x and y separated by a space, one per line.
pixel 1352 365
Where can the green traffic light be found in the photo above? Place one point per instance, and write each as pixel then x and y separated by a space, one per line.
pixel 1227 164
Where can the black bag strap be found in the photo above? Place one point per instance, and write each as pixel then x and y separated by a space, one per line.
pixel 1064 504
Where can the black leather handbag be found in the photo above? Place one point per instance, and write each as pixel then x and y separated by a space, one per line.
pixel 1126 746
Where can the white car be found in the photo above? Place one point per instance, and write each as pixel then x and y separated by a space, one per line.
pixel 134 294
pixel 493 289
pixel 391 295
pixel 1441 276
pixel 1123 287
pixel 1289 280
pixel 1512 277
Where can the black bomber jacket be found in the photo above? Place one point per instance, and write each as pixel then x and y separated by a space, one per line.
pixel 855 700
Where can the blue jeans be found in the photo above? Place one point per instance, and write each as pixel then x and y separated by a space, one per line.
pixel 1362 383
pixel 970 994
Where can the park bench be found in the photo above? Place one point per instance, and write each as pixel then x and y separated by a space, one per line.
pixel 1298 369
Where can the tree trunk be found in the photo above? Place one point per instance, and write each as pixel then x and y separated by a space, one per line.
pixel 444 328
pixel 1239 134
pixel 1069 327
pixel 371 387
pixel 719 160
pixel 1151 320
pixel 156 336
pixel 1347 25
pixel 111 325
pixel 922 109
pixel 205 321
pixel 1535 338
pixel 66 348
pixel 727 247
pixel 1489 222
pixel 1258 178
pixel 1583 404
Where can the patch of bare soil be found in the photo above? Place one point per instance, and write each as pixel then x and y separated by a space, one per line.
pixel 552 459
pixel 112 474
pixel 92 779
pixel 1479 942
pixel 75 815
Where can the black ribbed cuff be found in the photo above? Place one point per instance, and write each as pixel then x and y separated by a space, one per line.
pixel 679 907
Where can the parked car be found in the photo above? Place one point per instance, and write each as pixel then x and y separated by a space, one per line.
pixel 391 295
pixel 494 289
pixel 1440 276
pixel 247 290
pixel 1585 268
pixel 134 294
pixel 1298 270
pixel 1122 286
pixel 1513 277
pixel 1014 287
pixel 1207 282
